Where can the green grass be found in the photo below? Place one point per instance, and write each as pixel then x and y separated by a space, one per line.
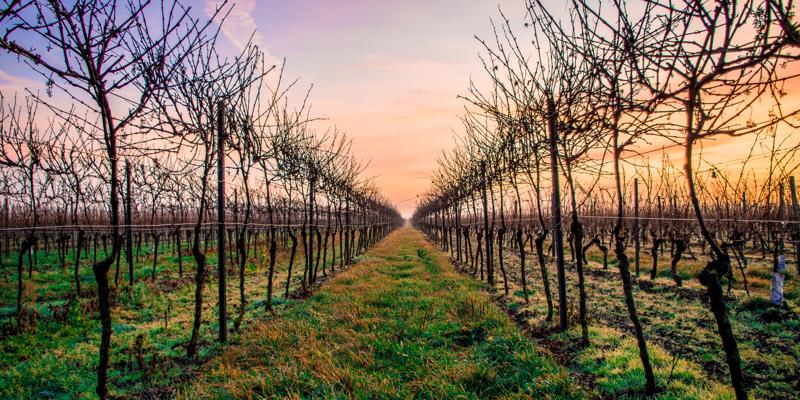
pixel 612 360
pixel 677 324
pixel 55 356
pixel 400 324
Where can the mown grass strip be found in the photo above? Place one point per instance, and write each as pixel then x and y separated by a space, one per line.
pixel 393 326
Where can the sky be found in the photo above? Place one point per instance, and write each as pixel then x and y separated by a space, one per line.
pixel 388 73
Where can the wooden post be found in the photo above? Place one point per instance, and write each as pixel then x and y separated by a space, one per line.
pixel 223 323
pixel 558 240
pixel 795 226
pixel 779 238
pixel 744 201
pixel 128 222
pixel 347 255
pixel 457 215
pixel 6 219
pixel 311 227
pixel 636 237
pixel 488 241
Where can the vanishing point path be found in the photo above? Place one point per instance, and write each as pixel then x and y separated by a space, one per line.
pixel 401 323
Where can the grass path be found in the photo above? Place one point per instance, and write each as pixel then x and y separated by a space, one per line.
pixel 401 323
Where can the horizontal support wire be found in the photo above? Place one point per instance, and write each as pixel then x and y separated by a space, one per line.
pixel 182 225
pixel 661 219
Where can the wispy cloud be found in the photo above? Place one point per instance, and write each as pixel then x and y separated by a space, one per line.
pixel 13 83
pixel 239 26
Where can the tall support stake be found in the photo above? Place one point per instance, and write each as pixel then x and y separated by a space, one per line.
pixel 457 215
pixel 128 222
pixel 636 234
pixel 6 214
pixel 311 227
pixel 223 323
pixel 558 239
pixel 488 239
pixel 347 257
pixel 795 226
